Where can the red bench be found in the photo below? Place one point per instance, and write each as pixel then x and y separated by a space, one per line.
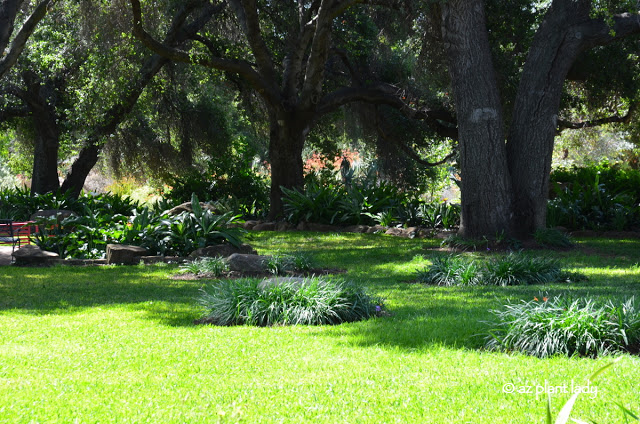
pixel 14 233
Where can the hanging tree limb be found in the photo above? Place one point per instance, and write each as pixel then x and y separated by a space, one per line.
pixel 614 119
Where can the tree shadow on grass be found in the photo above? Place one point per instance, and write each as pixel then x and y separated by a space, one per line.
pixel 456 317
pixel 68 290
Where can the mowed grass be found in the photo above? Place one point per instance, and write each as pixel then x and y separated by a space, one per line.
pixel 118 344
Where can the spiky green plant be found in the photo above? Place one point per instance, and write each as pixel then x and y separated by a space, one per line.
pixel 560 326
pixel 281 263
pixel 510 270
pixel 519 269
pixel 210 266
pixel 449 271
pixel 285 301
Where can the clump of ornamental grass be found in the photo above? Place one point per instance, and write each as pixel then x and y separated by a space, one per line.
pixel 509 270
pixel 545 327
pixel 450 271
pixel 209 266
pixel 518 269
pixel 286 301
pixel 281 263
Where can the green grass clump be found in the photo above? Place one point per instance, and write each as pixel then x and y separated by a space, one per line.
pixel 560 326
pixel 450 271
pixel 516 269
pixel 281 263
pixel 551 237
pixel 285 301
pixel 211 266
pixel 510 270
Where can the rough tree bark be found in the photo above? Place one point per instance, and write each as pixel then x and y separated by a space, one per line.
pixel 566 31
pixel 505 186
pixel 36 98
pixel 486 187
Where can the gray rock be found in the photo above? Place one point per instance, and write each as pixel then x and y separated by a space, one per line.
pixel 249 225
pixel 285 226
pixel 356 229
pixel 247 263
pixel 222 250
pixel 265 226
pixel 31 255
pixel 125 254
pixel 319 228
pixel 376 229
pixel 410 232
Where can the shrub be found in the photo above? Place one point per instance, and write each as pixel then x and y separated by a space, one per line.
pixel 512 269
pixel 210 266
pixel 594 197
pixel 288 301
pixel 231 181
pixel 87 235
pixel 560 326
pixel 316 203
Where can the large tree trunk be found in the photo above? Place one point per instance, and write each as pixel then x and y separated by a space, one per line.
pixel 287 136
pixel 534 120
pixel 77 175
pixel 486 188
pixel 45 159
pixel 44 178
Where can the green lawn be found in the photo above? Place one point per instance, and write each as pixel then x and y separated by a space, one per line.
pixel 117 344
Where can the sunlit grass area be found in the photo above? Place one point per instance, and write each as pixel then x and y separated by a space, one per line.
pixel 118 344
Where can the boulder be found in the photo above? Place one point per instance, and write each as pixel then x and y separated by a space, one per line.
pixel 410 232
pixel 356 229
pixel 222 250
pixel 247 263
pixel 265 226
pixel 31 255
pixel 319 228
pixel 376 229
pixel 285 226
pixel 250 224
pixel 125 254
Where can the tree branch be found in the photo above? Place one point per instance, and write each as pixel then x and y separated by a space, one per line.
pixel 320 44
pixel 440 121
pixel 7 61
pixel 597 32
pixel 244 68
pixel 247 13
pixel 614 119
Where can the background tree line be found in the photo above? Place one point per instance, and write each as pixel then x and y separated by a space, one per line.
pixel 166 86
